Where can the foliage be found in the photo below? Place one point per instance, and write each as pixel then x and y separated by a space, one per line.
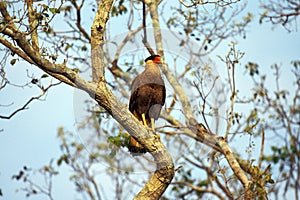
pixel 100 164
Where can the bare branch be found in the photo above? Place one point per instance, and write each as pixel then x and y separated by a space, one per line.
pixel 78 23
pixel 281 12
pixel 24 107
pixel 261 147
pixel 175 128
pixel 207 138
pixel 145 40
pixel 15 50
pixel 200 189
pixel 203 2
pixel 170 76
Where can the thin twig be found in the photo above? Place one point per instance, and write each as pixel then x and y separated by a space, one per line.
pixel 262 147
pixel 24 107
pixel 145 41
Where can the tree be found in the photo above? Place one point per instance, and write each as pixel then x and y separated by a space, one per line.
pixel 281 12
pixel 196 102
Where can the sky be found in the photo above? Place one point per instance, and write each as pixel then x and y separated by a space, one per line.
pixel 29 138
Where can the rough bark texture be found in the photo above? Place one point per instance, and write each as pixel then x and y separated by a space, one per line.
pixel 164 173
pixel 195 130
pixel 100 92
pixel 97 39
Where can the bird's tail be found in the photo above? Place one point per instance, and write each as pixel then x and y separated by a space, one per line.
pixel 134 147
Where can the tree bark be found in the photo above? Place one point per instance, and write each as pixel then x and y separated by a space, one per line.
pixel 195 130
pixel 99 91
pixel 164 173
pixel 98 31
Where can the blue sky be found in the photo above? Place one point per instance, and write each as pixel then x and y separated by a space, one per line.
pixel 29 138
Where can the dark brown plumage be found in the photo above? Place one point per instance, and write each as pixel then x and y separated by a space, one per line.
pixel 148 93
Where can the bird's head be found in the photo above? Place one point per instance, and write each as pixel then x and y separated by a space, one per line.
pixel 153 59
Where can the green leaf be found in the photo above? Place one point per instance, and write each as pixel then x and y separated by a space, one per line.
pixel 274 148
pixel 54 10
pixel 203 183
pixel 46 15
pixel 275 159
pixel 113 153
pixel 253 68
pixel 271 181
pixel 84 48
pixel 44 76
pixel 61 159
pixel 13 61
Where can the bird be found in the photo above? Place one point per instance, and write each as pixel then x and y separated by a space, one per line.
pixel 148 94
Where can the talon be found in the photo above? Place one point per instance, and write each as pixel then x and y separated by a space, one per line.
pixel 152 125
pixel 144 120
pixel 158 136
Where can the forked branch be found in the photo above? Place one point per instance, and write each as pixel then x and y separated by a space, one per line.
pixel 99 91
pixel 196 130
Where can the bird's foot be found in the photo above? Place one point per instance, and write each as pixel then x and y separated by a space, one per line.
pixel 144 120
pixel 158 136
pixel 152 125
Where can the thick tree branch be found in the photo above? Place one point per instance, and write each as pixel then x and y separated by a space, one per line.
pixel 202 134
pixel 99 91
pixel 221 145
pixel 97 39
pixel 170 76
pixel 26 51
pixel 235 166
pixel 33 25
pixel 15 50
pixel 103 95
pixel 164 173
pixel 23 55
